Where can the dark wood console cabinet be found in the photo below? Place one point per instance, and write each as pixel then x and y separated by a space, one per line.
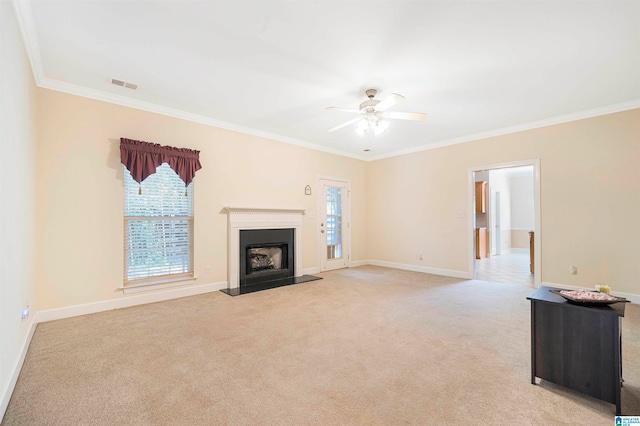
pixel 578 347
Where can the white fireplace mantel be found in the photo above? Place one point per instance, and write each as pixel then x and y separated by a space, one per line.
pixel 243 218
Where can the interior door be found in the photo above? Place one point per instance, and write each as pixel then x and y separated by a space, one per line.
pixel 334 223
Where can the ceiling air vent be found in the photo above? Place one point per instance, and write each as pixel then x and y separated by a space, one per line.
pixel 124 84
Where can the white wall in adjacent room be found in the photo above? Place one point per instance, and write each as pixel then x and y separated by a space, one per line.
pixel 522 202
pixel 522 210
pixel 500 183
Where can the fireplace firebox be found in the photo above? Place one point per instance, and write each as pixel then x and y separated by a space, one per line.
pixel 266 255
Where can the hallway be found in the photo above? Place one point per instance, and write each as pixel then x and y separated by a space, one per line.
pixel 512 268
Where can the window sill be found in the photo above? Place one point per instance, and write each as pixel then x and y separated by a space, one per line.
pixel 157 285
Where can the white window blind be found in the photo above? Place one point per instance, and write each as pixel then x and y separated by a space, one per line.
pixel 158 228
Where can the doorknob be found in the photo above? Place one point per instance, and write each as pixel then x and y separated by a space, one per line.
pixel 322 231
pixel 322 224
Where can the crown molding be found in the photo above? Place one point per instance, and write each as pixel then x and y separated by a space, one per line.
pixel 22 9
pixel 610 109
pixel 24 17
pixel 27 28
pixel 86 92
pixel 73 89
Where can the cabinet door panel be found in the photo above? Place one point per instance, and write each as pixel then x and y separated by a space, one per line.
pixel 481 197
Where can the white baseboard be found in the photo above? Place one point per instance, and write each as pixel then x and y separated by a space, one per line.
pixel 423 269
pixel 352 264
pixel 406 267
pixel 126 302
pixel 518 250
pixel 311 271
pixel 633 298
pixel 514 250
pixel 6 396
pixel 91 308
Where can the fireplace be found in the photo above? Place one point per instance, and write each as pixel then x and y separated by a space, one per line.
pixel 265 249
pixel 256 220
pixel 266 255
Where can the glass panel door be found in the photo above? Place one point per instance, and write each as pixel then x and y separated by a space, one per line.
pixel 334 225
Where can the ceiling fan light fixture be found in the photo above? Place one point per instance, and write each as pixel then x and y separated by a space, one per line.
pixel 362 127
pixel 374 116
pixel 380 126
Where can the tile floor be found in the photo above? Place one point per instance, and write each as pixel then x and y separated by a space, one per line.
pixel 505 268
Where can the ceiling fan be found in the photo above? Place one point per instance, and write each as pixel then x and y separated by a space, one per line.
pixel 374 115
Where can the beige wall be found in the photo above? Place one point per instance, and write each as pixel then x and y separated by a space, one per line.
pixel 401 206
pixel 520 238
pixel 17 205
pixel 80 192
pixel 590 199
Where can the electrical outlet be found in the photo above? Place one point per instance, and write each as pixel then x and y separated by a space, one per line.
pixel 25 313
pixel 207 269
pixel 573 270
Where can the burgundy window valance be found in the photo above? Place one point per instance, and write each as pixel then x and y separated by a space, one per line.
pixel 142 159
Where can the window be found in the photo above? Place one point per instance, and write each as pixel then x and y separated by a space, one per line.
pixel 334 223
pixel 158 228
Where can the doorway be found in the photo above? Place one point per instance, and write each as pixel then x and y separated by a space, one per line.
pixel 334 223
pixel 511 219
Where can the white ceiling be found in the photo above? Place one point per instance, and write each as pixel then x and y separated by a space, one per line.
pixel 270 68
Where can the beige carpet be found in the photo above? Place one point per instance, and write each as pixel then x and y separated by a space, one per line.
pixel 363 346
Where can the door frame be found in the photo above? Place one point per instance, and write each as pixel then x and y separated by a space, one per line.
pixel 346 232
pixel 537 237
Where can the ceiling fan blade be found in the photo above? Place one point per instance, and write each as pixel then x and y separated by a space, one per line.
pixel 340 126
pixel 342 109
pixel 389 101
pixel 417 116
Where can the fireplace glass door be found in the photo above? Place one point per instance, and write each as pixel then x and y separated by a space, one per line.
pixel 266 255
